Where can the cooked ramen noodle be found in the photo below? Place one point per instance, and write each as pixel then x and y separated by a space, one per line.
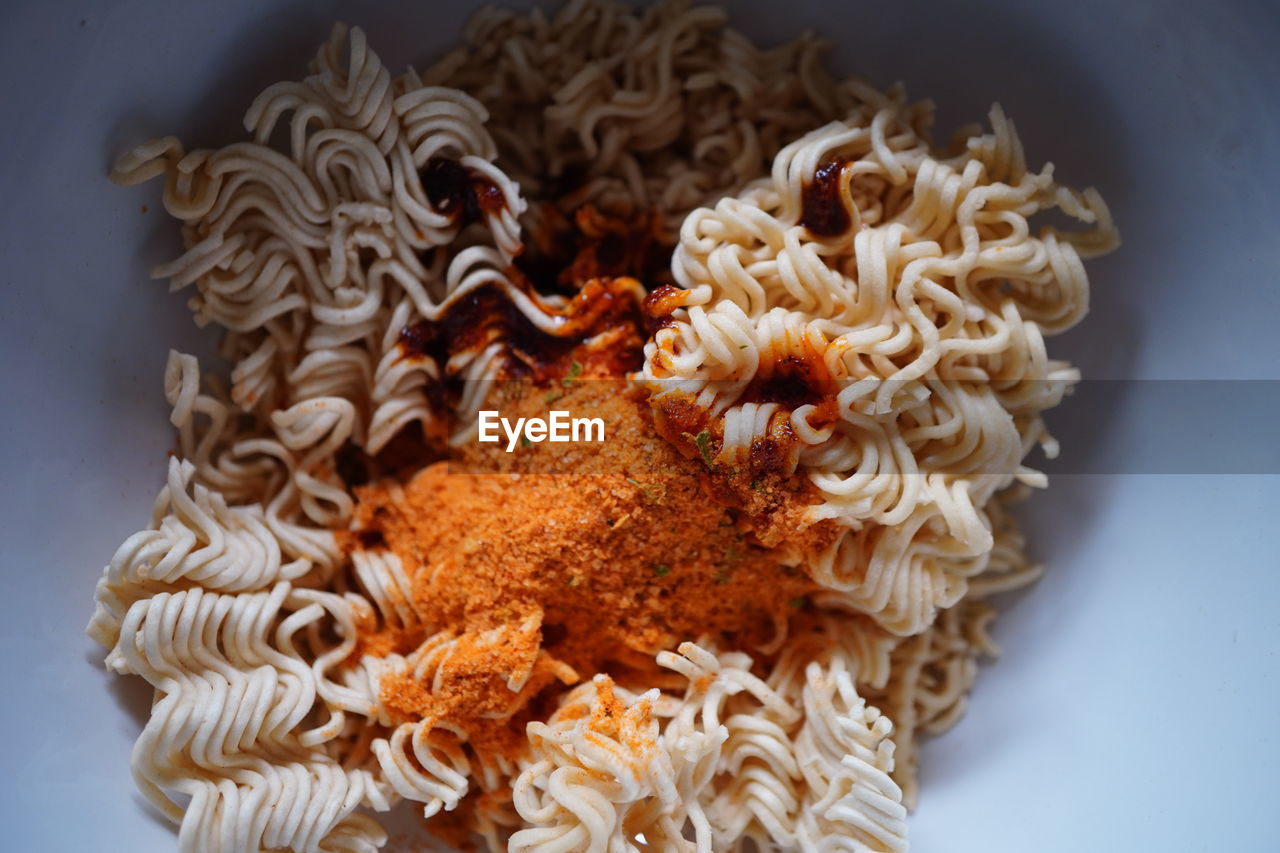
pixel 816 339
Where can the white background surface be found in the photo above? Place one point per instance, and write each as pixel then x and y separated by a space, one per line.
pixel 1136 706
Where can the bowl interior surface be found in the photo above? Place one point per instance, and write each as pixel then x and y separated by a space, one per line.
pixel 1135 703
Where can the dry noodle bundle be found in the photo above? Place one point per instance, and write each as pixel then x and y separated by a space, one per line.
pixel 835 331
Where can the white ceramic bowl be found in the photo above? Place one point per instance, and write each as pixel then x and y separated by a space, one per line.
pixel 1136 705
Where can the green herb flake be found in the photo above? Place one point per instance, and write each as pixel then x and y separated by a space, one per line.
pixel 661 570
pixel 721 579
pixel 575 370
pixel 732 555
pixel 798 602
pixel 525 442
pixel 552 397
pixel 743 346
pixel 703 440
pixel 756 486
pixel 652 491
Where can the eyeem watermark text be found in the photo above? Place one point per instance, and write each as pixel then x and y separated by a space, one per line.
pixel 559 426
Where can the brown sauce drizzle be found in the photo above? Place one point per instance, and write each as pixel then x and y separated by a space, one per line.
pixel 677 417
pixel 371 539
pixel 792 381
pixel 822 210
pixel 601 263
pixel 661 303
pixel 409 450
pixel 773 452
pixel 568 251
pixel 487 315
pixel 459 192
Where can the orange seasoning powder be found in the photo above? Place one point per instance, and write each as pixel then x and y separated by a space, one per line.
pixel 533 570
pixel 626 549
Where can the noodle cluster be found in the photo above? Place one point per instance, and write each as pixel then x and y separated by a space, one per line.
pixel 924 320
pixel 365 205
